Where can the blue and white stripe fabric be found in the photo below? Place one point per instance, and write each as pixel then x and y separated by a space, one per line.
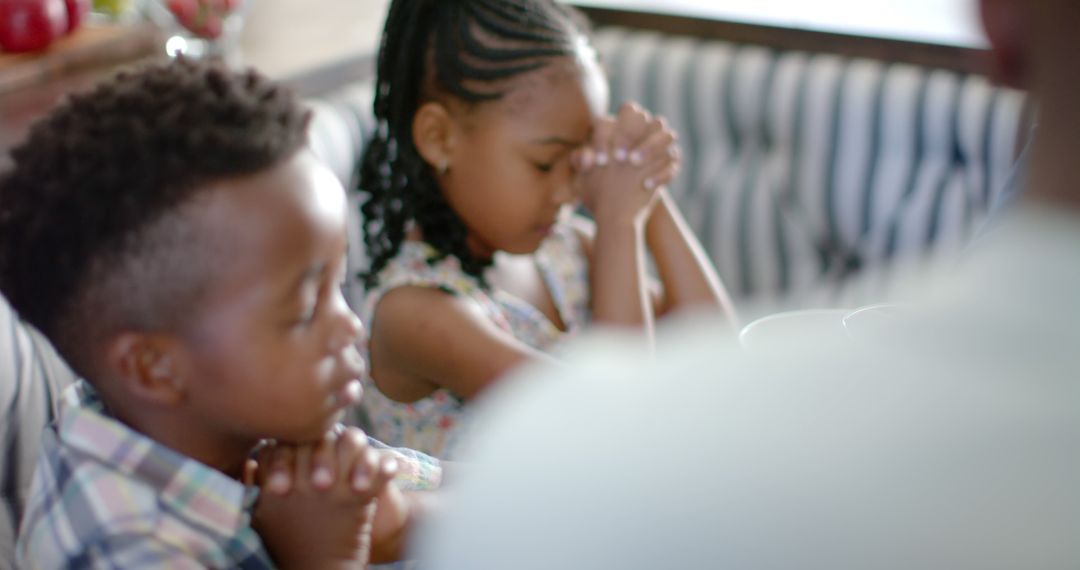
pixel 800 169
pixel 341 125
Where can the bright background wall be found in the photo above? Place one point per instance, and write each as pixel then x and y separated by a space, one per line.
pixel 951 22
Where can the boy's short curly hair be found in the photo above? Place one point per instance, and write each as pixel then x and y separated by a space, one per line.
pixel 90 235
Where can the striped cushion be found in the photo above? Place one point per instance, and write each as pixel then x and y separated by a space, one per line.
pixel 340 124
pixel 342 121
pixel 801 168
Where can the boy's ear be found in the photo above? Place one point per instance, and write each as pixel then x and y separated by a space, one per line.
pixel 434 134
pixel 147 366
pixel 1006 25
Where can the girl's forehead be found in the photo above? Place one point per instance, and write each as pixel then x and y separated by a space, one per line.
pixel 566 82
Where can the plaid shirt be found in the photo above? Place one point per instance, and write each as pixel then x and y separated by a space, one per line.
pixel 106 496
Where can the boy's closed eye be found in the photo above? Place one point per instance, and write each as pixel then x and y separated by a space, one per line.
pixel 308 305
pixel 301 300
pixel 318 285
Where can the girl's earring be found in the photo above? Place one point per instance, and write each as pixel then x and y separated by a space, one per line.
pixel 444 167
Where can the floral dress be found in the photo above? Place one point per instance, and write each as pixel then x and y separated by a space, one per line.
pixel 433 424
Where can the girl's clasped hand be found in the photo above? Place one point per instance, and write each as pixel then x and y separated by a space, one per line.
pixel 633 150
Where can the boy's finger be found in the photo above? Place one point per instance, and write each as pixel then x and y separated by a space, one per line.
pixel 279 470
pixel 301 466
pixel 323 462
pixel 351 446
pixel 350 441
pixel 364 472
pixel 388 469
pixel 251 471
pixel 385 473
pixel 384 467
pixel 301 478
pixel 263 458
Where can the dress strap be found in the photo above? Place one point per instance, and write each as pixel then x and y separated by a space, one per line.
pixel 412 267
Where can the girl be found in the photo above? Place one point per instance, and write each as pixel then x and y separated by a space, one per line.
pixel 491 127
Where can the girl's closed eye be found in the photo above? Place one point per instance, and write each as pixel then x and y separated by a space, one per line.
pixel 548 165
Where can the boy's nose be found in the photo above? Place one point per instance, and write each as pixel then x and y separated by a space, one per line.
pixel 347 326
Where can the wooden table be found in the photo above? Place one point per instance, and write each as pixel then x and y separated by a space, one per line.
pixel 314 45
pixel 311 45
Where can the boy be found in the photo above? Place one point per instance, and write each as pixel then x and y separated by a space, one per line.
pixel 172 237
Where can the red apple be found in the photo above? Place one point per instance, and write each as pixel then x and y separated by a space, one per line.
pixel 204 18
pixel 76 13
pixel 31 25
pixel 184 10
pixel 211 27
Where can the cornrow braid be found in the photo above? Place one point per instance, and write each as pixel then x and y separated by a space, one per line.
pixel 461 48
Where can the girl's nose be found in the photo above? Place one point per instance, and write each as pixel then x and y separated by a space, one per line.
pixel 566 189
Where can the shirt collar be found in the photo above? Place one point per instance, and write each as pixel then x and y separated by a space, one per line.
pixel 197 492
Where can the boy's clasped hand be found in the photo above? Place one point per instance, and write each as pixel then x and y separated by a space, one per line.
pixel 317 501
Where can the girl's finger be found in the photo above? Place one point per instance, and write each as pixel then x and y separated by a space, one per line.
pixel 658 152
pixel 670 156
pixel 632 126
pixel 660 176
pixel 657 145
pixel 583 160
pixel 601 141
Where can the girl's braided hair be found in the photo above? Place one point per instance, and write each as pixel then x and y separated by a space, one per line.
pixel 456 48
